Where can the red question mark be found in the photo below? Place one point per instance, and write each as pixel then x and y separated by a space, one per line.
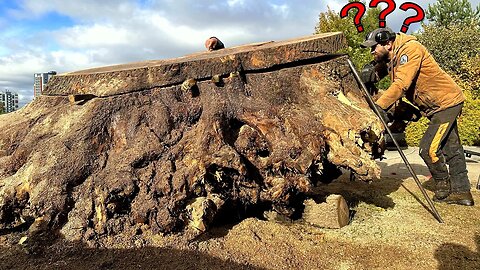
pixel 390 8
pixel 361 10
pixel 413 19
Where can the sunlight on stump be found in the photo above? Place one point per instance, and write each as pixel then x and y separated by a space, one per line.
pixel 333 213
pixel 112 154
pixel 77 99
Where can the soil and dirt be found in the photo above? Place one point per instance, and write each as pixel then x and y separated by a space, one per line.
pixel 390 229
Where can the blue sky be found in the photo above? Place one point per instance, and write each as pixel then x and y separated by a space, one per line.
pixel 69 35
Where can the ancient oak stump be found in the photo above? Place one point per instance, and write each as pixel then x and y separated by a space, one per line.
pixel 154 146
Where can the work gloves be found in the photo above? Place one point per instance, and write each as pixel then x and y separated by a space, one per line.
pixel 383 114
pixel 406 111
pixel 369 77
pixel 402 111
pixel 368 73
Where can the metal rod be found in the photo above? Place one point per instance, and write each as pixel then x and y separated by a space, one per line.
pixel 409 167
pixel 478 183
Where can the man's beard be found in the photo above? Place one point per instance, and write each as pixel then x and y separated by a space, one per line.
pixel 381 58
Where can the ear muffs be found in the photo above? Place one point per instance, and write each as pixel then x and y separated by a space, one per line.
pixel 383 36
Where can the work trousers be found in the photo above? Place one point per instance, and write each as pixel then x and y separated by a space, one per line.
pixel 440 145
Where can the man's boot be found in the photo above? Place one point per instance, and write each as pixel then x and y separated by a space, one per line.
pixel 442 189
pixel 460 198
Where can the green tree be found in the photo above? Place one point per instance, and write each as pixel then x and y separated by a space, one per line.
pixel 456 49
pixel 453 12
pixel 330 21
pixel 468 127
pixel 469 76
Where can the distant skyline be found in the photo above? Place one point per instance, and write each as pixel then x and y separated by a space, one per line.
pixel 39 36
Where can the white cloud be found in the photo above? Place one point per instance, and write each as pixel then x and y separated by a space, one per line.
pixel 233 3
pixel 66 61
pixel 335 5
pixel 17 73
pixel 282 10
pixel 83 10
pixel 94 36
pixel 17 65
pixel 119 31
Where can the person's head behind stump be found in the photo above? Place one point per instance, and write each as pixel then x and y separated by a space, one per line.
pixel 213 43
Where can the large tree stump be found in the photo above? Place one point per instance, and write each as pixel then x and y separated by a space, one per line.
pixel 131 148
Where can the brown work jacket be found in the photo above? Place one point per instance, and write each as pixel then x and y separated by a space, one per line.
pixel 417 76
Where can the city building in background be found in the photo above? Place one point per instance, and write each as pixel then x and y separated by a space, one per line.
pixel 41 81
pixel 9 101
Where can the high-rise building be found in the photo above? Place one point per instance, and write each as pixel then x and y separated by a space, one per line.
pixel 41 81
pixel 9 100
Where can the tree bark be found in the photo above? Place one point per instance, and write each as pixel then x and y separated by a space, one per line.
pixel 251 126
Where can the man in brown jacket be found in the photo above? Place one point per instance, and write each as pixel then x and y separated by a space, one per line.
pixel 416 76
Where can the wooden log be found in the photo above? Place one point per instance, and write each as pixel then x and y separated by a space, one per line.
pixel 333 213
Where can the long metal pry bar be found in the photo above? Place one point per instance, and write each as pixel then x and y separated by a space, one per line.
pixel 409 167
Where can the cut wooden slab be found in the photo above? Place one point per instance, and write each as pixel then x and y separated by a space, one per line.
pixel 126 78
pixel 333 213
